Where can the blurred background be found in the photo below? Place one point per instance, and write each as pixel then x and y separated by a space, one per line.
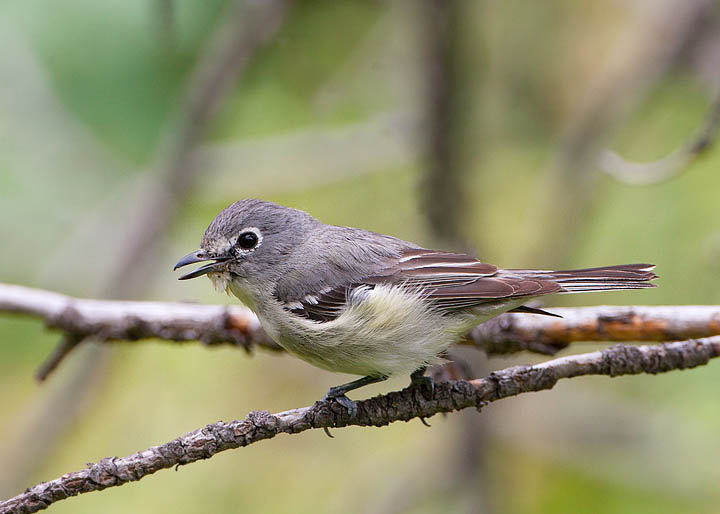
pixel 125 127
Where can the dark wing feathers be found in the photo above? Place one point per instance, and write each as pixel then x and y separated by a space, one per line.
pixel 324 306
pixel 534 310
pixel 456 281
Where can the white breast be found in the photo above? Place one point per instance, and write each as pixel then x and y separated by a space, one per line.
pixel 384 331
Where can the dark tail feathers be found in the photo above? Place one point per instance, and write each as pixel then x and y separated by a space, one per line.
pixel 605 278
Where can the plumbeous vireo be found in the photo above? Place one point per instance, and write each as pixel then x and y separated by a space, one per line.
pixel 353 301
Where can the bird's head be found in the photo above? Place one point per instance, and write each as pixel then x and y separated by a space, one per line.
pixel 249 241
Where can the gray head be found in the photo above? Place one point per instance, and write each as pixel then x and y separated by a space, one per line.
pixel 250 237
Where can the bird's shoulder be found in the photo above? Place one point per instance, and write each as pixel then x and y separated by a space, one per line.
pixel 334 258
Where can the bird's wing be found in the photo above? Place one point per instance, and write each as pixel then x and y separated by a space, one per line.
pixel 458 281
pixel 326 305
pixel 449 281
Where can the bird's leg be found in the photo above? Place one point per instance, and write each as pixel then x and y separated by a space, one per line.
pixel 337 393
pixel 418 378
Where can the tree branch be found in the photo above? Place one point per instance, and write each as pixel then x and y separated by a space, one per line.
pixel 382 410
pixel 109 321
pixel 542 334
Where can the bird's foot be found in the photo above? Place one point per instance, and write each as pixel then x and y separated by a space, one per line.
pixel 338 394
pixel 418 379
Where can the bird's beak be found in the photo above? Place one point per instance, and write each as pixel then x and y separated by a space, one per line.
pixel 198 256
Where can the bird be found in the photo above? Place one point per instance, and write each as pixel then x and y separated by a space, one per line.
pixel 354 301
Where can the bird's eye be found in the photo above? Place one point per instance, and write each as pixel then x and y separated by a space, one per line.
pixel 247 240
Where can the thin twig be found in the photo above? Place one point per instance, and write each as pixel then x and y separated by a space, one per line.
pixel 644 173
pixel 67 343
pixel 382 410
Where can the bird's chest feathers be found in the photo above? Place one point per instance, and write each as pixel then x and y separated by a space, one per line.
pixel 241 291
pixel 382 331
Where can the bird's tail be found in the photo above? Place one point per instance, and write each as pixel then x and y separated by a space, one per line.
pixel 605 278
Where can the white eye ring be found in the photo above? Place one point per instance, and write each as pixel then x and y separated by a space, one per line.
pixel 249 239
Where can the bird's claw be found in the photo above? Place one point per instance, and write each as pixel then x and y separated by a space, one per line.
pixel 422 381
pixel 343 400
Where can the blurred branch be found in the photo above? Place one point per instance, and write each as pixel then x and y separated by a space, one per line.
pixel 163 20
pixel 443 198
pixel 451 153
pixel 645 173
pixel 310 156
pixel 642 57
pixel 410 403
pixel 108 321
pixel 244 29
pixel 513 332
